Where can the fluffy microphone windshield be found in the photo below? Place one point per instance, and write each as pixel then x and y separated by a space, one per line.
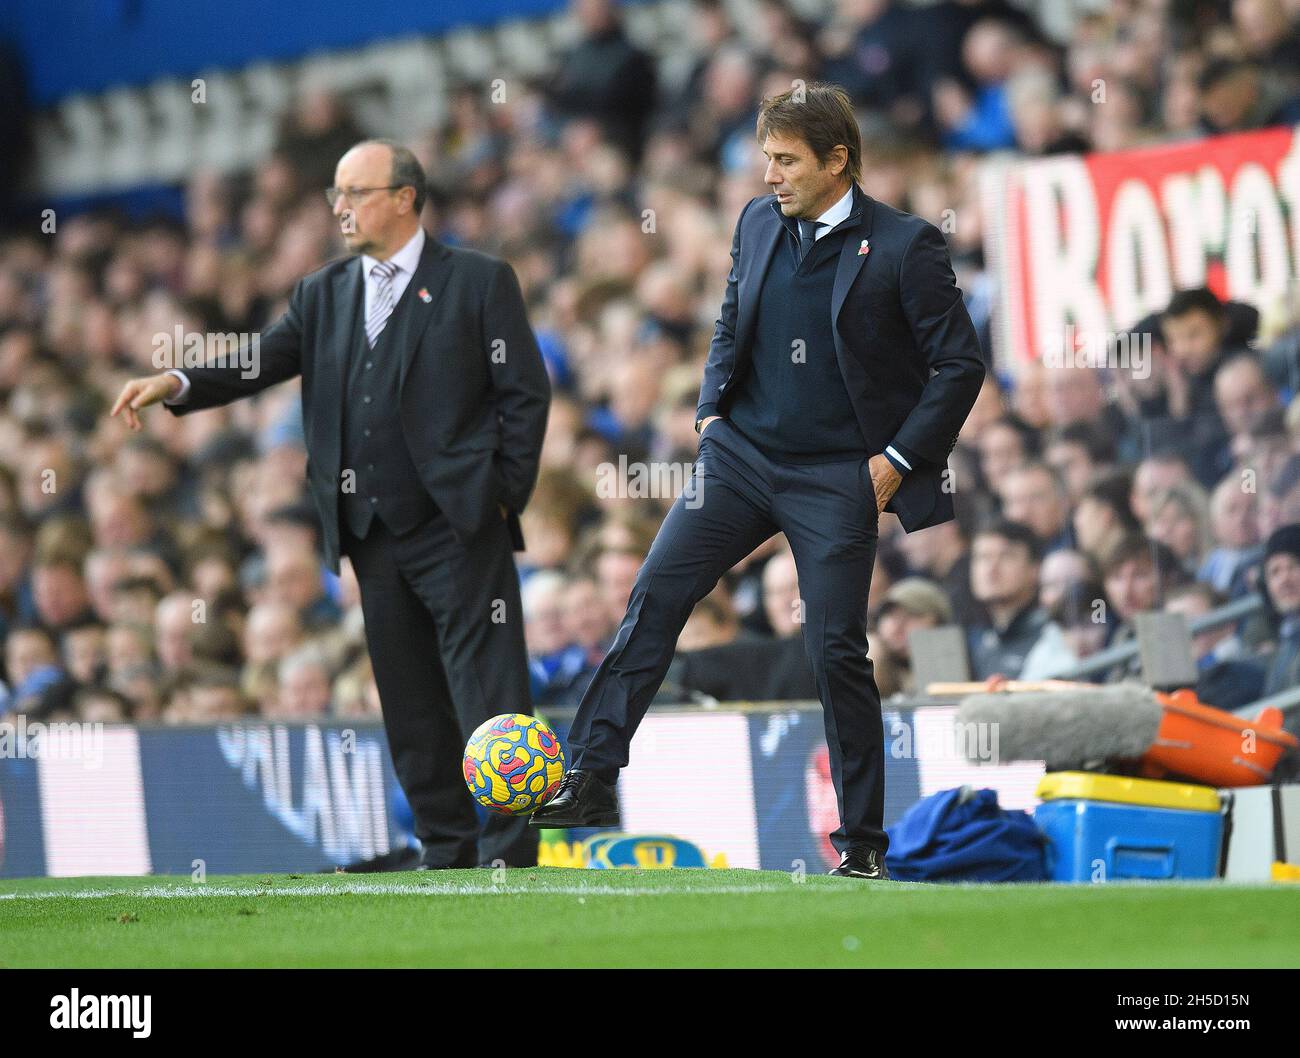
pixel 1067 728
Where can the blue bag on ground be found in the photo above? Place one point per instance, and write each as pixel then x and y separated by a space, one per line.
pixel 961 835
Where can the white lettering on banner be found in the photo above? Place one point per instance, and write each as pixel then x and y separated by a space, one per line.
pixel 1066 248
pixel 343 809
pixel 1099 241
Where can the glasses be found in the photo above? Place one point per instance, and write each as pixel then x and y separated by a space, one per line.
pixel 354 194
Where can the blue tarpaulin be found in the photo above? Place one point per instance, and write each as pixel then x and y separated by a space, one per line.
pixel 961 835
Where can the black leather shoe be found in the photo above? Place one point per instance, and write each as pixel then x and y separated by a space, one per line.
pixel 444 866
pixel 459 864
pixel 862 863
pixel 581 801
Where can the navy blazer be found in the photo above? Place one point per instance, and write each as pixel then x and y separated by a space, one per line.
pixel 474 393
pixel 906 347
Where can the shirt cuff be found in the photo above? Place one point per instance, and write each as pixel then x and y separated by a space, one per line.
pixel 184 394
pixel 901 464
pixel 703 412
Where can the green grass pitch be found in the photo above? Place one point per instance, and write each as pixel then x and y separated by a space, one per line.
pixel 561 917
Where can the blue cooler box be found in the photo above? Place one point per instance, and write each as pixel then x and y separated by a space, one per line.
pixel 1130 841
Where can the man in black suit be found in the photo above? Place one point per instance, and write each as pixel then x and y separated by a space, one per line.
pixel 424 403
pixel 842 368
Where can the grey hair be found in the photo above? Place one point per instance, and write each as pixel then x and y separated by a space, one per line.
pixel 306 656
pixel 407 170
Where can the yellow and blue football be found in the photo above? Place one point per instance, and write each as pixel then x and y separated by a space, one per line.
pixel 513 763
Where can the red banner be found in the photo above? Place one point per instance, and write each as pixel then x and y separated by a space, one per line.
pixel 1089 244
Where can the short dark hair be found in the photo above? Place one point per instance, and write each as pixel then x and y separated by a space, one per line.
pixel 136 583
pixel 1269 425
pixel 1029 440
pixel 1112 489
pixel 1014 533
pixel 1100 448
pixel 1130 546
pixel 821 115
pixel 149 446
pixel 1199 588
pixel 406 172
pixel 85 623
pixel 1074 607
pixel 1198 299
pixel 1217 71
pixel 1039 466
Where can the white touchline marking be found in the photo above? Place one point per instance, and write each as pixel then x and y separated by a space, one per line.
pixel 176 892
pixel 166 892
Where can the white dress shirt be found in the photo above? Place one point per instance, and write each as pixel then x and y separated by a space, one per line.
pixel 835 214
pixel 407 260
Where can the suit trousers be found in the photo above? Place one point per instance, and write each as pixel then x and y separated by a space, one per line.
pixel 739 499
pixel 444 627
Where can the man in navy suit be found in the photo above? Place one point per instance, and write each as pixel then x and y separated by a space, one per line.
pixel 842 368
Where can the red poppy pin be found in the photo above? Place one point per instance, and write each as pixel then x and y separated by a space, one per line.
pixel 864 249
pixel 424 295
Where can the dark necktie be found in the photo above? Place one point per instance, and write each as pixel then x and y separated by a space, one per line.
pixel 808 236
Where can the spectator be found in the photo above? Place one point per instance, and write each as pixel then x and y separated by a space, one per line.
pixel 875 56
pixel 1104 514
pixel 781 602
pixel 294 579
pixel 272 632
pixel 1180 519
pixel 1195 327
pixel 84 650
pixel 1076 629
pixel 1281 588
pixel 1005 558
pixel 211 696
pixel 606 78
pixel 980 119
pixel 712 623
pixel 1156 474
pixel 941 553
pixel 304 685
pixel 1079 455
pixel 174 626
pixel 59 594
pixel 1234 531
pixel 16 604
pixel 1136 572
pixel 911 604
pixel 1062 571
pixel 1034 495
pixel 1225 678
pixel 35 680
pixel 554 662
pixel 1279 504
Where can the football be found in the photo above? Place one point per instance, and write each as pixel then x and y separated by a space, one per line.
pixel 513 763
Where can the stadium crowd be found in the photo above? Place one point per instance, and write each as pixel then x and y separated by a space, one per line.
pixel 174 576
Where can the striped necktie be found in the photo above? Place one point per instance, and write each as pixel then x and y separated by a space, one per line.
pixel 381 305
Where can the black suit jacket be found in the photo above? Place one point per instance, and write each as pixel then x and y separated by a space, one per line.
pixel 474 391
pixel 906 347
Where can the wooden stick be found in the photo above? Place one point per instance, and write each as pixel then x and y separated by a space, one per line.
pixel 994 684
